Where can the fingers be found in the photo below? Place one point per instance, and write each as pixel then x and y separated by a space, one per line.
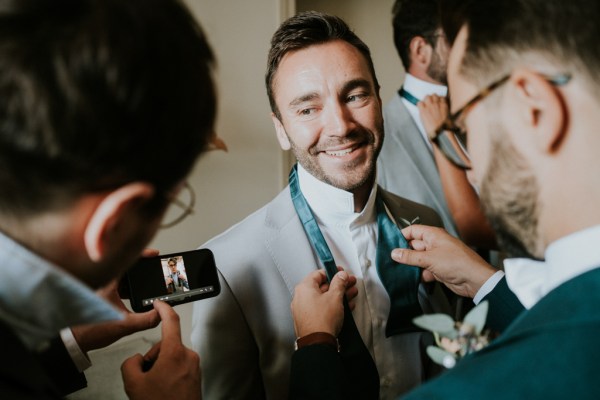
pixel 132 368
pixel 427 276
pixel 150 252
pixel 411 257
pixel 152 354
pixel 141 321
pixel 414 232
pixel 316 278
pixel 171 330
pixel 338 284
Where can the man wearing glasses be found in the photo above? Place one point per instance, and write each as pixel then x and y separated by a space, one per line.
pixel 524 87
pixel 82 122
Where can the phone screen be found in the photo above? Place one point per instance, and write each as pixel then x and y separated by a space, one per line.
pixel 175 278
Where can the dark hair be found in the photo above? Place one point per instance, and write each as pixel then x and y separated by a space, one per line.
pixel 452 18
pixel 172 259
pixel 308 29
pixel 93 93
pixel 411 18
pixel 504 34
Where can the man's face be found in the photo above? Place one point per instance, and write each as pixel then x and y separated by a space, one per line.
pixel 330 113
pixel 173 267
pixel 508 187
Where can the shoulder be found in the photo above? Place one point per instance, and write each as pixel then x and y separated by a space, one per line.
pixel 408 211
pixel 245 243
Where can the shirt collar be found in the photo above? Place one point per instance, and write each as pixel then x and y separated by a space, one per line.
pixel 420 89
pixel 571 256
pixel 38 299
pixel 566 258
pixel 333 206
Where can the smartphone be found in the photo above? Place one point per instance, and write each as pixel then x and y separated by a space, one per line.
pixel 176 278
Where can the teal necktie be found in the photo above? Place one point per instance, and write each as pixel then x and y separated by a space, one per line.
pixel 400 281
pixel 359 368
pixel 408 96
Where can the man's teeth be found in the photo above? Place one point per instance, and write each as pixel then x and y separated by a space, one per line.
pixel 339 153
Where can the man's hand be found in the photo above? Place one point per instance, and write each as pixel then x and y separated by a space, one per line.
pixel 317 305
pixel 444 258
pixel 169 370
pixel 95 336
pixel 433 110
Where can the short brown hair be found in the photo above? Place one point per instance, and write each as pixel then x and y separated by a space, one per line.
pixel 304 30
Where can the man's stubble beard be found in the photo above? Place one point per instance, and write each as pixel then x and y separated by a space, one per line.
pixel 310 164
pixel 509 197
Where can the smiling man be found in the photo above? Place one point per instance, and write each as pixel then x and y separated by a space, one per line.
pixel 525 91
pixel 326 108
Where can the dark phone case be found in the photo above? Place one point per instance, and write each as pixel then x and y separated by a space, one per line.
pixel 146 280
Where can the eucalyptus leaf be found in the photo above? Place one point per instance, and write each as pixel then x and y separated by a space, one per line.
pixel 440 323
pixel 477 316
pixel 441 357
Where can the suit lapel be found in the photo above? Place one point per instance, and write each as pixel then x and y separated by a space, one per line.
pixel 287 243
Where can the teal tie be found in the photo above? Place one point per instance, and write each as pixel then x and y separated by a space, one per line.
pixel 400 281
pixel 359 367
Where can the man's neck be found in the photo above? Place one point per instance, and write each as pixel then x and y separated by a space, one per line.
pixel 421 88
pixel 325 196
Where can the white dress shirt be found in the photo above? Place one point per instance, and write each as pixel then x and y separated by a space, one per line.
pixel 352 239
pixel 565 259
pixel 420 89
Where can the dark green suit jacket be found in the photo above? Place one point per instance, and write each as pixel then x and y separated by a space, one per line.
pixel 548 352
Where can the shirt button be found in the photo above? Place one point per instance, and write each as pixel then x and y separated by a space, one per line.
pixel 367 263
pixel 385 382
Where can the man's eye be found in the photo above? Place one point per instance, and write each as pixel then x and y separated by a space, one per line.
pixel 307 111
pixel 356 97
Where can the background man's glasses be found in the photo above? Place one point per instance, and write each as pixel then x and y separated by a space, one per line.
pixel 451 136
pixel 180 207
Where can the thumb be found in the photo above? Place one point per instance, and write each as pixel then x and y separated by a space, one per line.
pixel 410 257
pixel 338 284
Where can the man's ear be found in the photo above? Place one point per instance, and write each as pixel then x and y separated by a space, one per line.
pixel 113 217
pixel 537 106
pixel 420 51
pixel 282 136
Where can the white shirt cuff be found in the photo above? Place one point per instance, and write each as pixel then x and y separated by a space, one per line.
pixel 80 359
pixel 488 286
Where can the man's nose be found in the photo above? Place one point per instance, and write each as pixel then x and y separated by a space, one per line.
pixel 338 120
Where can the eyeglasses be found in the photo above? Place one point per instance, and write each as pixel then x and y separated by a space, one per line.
pixel 451 136
pixel 181 206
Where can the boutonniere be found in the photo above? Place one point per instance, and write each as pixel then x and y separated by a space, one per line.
pixel 409 223
pixel 456 340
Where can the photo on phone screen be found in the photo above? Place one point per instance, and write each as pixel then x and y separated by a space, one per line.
pixel 176 278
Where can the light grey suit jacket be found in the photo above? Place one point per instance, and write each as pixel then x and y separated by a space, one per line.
pixel 406 166
pixel 245 336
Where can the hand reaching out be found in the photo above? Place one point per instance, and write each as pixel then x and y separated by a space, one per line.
pixel 169 370
pixel 318 306
pixel 444 258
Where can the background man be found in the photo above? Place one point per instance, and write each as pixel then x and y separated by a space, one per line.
pixel 409 164
pixel 523 79
pixel 82 116
pixel 326 108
